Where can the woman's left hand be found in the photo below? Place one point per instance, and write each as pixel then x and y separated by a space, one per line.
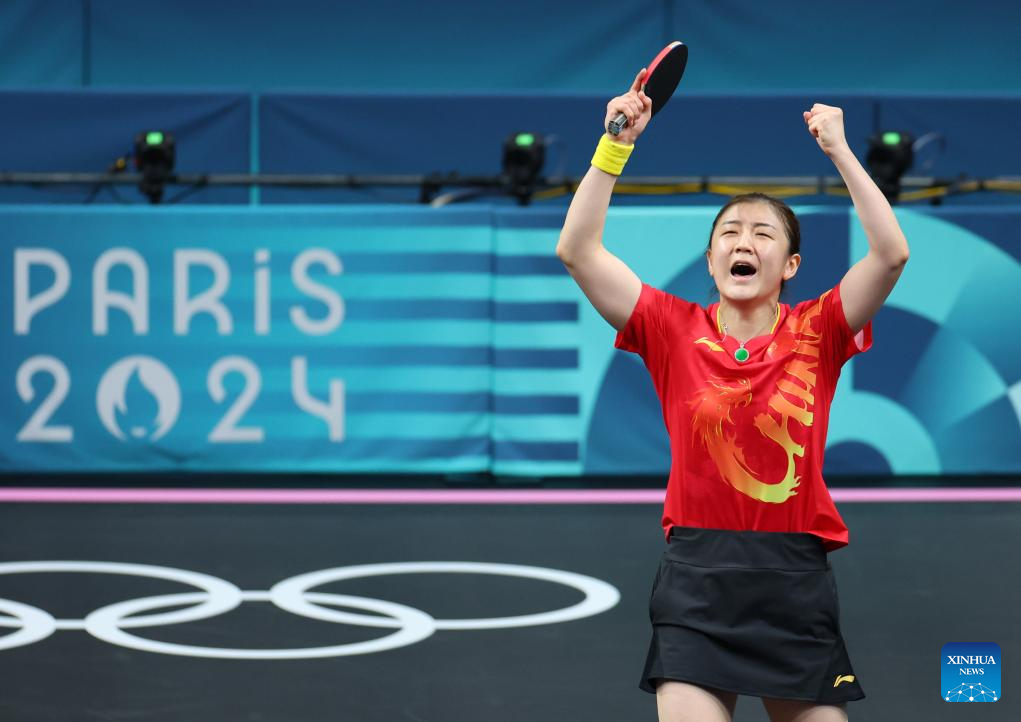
pixel 826 124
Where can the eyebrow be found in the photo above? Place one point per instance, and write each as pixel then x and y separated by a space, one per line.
pixel 753 225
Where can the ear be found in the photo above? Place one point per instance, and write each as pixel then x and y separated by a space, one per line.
pixel 709 262
pixel 791 269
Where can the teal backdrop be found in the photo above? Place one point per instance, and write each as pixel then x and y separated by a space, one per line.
pixel 406 339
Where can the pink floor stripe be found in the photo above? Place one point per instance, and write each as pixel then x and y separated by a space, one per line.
pixel 457 496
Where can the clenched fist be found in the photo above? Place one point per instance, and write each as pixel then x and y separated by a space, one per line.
pixel 636 105
pixel 826 124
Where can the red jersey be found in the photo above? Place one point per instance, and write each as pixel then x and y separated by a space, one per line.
pixel 746 438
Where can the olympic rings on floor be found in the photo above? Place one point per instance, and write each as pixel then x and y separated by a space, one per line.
pixel 219 596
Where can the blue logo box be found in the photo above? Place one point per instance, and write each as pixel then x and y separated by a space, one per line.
pixel 970 672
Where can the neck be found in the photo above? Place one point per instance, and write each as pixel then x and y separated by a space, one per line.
pixel 748 319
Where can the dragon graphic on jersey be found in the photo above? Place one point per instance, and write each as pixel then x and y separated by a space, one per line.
pixel 716 405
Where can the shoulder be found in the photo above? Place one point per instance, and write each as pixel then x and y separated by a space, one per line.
pixel 663 303
pixel 806 312
pixel 667 300
pixel 675 311
pixel 823 317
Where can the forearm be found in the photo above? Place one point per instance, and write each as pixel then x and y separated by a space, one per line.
pixel 586 216
pixel 885 237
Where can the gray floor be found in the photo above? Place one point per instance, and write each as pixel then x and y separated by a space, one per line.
pixel 915 577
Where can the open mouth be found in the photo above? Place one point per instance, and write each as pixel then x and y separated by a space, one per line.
pixel 742 270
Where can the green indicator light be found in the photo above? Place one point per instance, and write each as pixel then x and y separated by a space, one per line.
pixel 153 138
pixel 891 138
pixel 524 139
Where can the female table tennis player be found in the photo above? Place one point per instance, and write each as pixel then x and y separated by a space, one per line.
pixel 744 600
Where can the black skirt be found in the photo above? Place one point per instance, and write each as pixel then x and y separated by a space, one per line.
pixel 749 612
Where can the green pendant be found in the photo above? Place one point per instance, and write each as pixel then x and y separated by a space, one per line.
pixel 741 354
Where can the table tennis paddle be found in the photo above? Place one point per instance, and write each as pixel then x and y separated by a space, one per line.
pixel 660 81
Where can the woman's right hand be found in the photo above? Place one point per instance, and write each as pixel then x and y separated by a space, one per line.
pixel 636 105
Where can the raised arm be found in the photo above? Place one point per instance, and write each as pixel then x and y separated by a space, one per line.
pixel 868 282
pixel 610 286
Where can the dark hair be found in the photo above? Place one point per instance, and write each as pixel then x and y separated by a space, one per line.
pixel 790 222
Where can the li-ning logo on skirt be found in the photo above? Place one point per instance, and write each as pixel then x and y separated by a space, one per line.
pixel 843 678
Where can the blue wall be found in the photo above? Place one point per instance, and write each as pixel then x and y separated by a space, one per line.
pixel 326 87
pixel 527 45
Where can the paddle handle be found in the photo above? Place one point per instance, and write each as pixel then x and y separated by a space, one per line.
pixel 617 124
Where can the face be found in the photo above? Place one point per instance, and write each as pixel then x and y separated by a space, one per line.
pixel 748 253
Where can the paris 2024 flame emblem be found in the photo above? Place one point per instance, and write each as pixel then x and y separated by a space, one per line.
pixel 717 406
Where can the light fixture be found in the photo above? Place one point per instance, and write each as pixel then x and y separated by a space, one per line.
pixel 890 156
pixel 154 159
pixel 524 155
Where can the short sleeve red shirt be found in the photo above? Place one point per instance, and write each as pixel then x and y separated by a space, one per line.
pixel 746 438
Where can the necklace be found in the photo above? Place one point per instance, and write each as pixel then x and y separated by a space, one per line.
pixel 742 353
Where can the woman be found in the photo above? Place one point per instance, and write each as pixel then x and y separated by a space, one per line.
pixel 744 601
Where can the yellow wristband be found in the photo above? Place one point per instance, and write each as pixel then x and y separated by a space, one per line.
pixel 611 156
